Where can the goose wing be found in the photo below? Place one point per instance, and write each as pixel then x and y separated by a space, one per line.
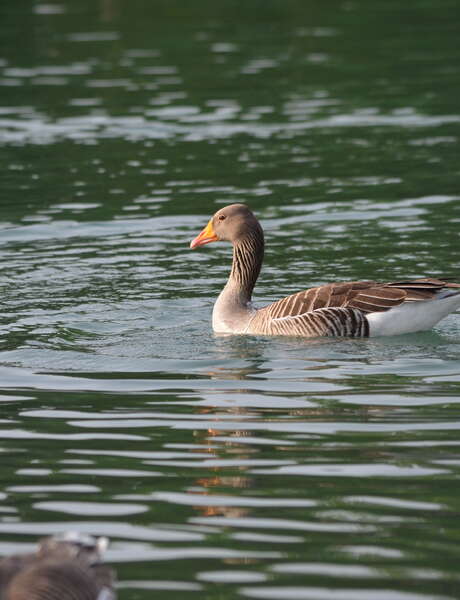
pixel 383 296
pixel 354 294
pixel 339 309
pixel 367 296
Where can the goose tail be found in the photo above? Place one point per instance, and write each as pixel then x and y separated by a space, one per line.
pixel 410 317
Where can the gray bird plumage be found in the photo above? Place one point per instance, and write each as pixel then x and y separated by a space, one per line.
pixel 63 568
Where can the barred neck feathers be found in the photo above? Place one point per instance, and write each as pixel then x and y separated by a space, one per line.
pixel 248 254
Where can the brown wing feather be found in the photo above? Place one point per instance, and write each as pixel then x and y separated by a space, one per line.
pixel 366 296
pixel 377 299
pixel 332 294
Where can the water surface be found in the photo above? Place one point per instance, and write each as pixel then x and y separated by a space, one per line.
pixel 228 466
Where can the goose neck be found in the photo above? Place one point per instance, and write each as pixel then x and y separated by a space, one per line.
pixel 248 253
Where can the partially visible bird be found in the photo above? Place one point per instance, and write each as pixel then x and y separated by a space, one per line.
pixel 352 309
pixel 66 567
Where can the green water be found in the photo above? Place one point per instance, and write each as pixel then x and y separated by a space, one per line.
pixel 227 467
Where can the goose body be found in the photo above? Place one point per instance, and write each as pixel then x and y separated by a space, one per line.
pixel 351 309
pixel 63 568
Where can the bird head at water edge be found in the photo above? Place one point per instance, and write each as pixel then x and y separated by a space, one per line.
pixel 64 567
pixel 230 223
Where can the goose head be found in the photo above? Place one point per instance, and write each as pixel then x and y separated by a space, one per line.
pixel 232 224
pixel 73 545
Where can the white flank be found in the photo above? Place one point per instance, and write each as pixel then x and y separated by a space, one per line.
pixel 410 317
pixel 106 594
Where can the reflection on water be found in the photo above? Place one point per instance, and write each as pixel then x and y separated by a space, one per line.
pixel 228 466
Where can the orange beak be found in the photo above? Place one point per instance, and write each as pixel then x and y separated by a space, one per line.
pixel 205 237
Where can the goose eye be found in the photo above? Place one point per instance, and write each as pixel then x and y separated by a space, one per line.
pixel 222 217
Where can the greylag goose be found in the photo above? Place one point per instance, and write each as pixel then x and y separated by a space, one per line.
pixel 63 568
pixel 352 309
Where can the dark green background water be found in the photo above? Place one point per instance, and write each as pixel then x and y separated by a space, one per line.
pixel 228 467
